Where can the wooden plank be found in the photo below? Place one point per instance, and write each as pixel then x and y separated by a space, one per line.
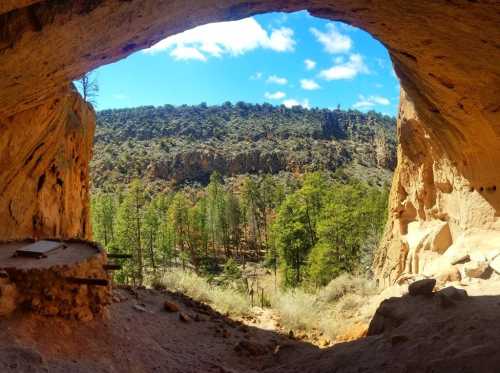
pixel 39 249
pixel 119 256
pixel 112 267
pixel 88 281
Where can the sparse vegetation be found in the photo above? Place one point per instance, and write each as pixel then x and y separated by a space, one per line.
pixel 246 205
pixel 331 310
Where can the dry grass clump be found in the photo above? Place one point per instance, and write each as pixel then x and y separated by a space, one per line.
pixel 224 299
pixel 345 303
pixel 296 308
pixel 335 310
pixel 346 284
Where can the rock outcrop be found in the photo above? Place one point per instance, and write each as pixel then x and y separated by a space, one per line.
pixel 445 53
pixel 44 170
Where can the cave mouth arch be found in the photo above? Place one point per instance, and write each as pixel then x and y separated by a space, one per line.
pixel 448 119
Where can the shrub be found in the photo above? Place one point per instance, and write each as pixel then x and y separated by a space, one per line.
pixel 346 284
pixel 223 299
pixel 297 309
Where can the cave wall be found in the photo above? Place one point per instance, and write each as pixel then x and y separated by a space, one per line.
pixel 45 153
pixel 444 198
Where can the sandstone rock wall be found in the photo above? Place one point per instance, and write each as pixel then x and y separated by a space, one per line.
pixel 44 170
pixel 445 53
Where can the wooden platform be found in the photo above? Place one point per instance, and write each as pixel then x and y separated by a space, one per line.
pixel 43 255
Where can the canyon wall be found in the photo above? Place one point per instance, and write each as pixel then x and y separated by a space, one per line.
pixel 444 200
pixel 44 170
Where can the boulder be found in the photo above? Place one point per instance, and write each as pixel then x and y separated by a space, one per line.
pixel 184 317
pixel 251 348
pixel 390 315
pixel 422 287
pixel 477 269
pixel 447 297
pixel 453 293
pixel 170 306
pixel 459 259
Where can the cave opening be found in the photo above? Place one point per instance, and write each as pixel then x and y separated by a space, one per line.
pixel 443 214
pixel 213 141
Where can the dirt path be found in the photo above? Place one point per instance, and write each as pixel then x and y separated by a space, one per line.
pixel 414 334
pixel 140 336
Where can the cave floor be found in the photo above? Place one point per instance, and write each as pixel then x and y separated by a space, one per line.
pixel 138 335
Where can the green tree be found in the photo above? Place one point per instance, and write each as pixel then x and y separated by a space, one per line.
pixel 128 232
pixel 103 207
pixel 292 238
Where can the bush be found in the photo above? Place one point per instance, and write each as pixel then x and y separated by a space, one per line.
pixel 297 309
pixel 346 284
pixel 223 299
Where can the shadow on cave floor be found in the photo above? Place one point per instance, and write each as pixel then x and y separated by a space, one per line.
pixel 417 334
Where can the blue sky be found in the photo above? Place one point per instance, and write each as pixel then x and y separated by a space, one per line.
pixel 290 59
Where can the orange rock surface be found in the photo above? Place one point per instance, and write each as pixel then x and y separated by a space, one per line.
pixel 445 53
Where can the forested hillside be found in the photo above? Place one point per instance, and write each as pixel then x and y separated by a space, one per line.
pixel 166 146
pixel 296 194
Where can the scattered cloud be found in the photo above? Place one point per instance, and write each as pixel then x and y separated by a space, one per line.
pixel 370 102
pixel 309 84
pixel 274 79
pixel 346 70
pixel 332 39
pixel 256 76
pixel 347 27
pixel 291 102
pixel 310 64
pixel 380 62
pixel 187 53
pixel 217 39
pixel 281 40
pixel 275 96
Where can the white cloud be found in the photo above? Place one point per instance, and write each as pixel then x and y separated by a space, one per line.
pixel 346 70
pixel 332 40
pixel 256 76
pixel 277 80
pixel 309 84
pixel 310 64
pixel 281 40
pixel 187 53
pixel 370 102
pixel 380 62
pixel 275 96
pixel 217 39
pixel 291 102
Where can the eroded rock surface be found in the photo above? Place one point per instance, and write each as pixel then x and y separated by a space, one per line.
pixel 445 53
pixel 44 170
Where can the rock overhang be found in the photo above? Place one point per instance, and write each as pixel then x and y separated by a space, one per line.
pixel 445 54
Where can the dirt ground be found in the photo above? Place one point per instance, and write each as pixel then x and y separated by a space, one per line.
pixel 414 334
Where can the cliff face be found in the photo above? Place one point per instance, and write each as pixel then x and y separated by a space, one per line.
pixel 445 53
pixel 44 170
pixel 177 144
